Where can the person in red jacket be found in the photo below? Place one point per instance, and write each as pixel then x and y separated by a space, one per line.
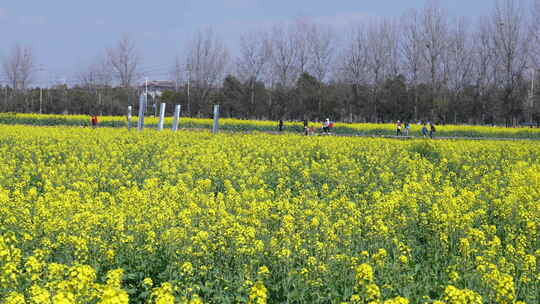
pixel 94 121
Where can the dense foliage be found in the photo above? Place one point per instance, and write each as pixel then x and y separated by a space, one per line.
pixel 104 215
pixel 342 102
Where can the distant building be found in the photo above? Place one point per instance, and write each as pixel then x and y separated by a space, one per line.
pixel 157 87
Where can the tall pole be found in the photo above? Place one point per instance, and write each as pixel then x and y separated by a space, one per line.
pixel 176 118
pixel 140 122
pixel 188 84
pixel 531 103
pixel 99 104
pixel 41 69
pixel 129 118
pixel 145 93
pixel 188 103
pixel 216 119
pixel 40 98
pixel 161 116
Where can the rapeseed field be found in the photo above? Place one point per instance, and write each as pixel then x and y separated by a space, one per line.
pixel 110 216
pixel 239 125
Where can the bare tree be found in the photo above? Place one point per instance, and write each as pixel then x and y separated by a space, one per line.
pixel 255 56
pixel 382 57
pixel 412 46
pixel 460 55
pixel 393 37
pixel 511 46
pixel 534 104
pixel 18 66
pixel 382 43
pixel 124 60
pixel 284 55
pixel 176 72
pixel 321 46
pixel 353 64
pixel 460 60
pixel 484 55
pixel 96 78
pixel 206 61
pixel 354 59
pixel 535 29
pixel 300 33
pixel 97 75
pixel 434 32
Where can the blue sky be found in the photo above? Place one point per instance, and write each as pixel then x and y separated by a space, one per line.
pixel 67 35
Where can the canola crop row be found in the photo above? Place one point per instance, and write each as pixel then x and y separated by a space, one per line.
pixel 108 216
pixel 239 125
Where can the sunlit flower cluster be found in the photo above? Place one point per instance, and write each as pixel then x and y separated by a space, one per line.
pixel 111 216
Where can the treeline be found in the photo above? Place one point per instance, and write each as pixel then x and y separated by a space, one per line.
pixel 62 99
pixel 425 65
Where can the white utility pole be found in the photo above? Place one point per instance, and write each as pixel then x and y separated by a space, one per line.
pixel 129 118
pixel 531 97
pixel 99 103
pixel 40 98
pixel 140 122
pixel 41 69
pixel 188 84
pixel 216 119
pixel 161 116
pixel 145 94
pixel 176 118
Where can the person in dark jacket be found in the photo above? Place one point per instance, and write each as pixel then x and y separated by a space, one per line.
pixel 399 125
pixel 432 130
pixel 424 130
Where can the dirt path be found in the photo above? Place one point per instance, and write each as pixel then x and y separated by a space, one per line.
pixel 374 136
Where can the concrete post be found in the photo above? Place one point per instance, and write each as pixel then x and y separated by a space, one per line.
pixel 129 118
pixel 216 119
pixel 140 122
pixel 176 118
pixel 161 116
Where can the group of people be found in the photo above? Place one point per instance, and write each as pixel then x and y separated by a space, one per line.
pixel 327 125
pixel 405 126
pixel 402 129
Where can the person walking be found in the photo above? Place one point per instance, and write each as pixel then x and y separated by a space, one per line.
pixel 424 130
pixel 280 125
pixel 432 130
pixel 407 128
pixel 398 128
pixel 326 126
pixel 94 121
pixel 306 129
